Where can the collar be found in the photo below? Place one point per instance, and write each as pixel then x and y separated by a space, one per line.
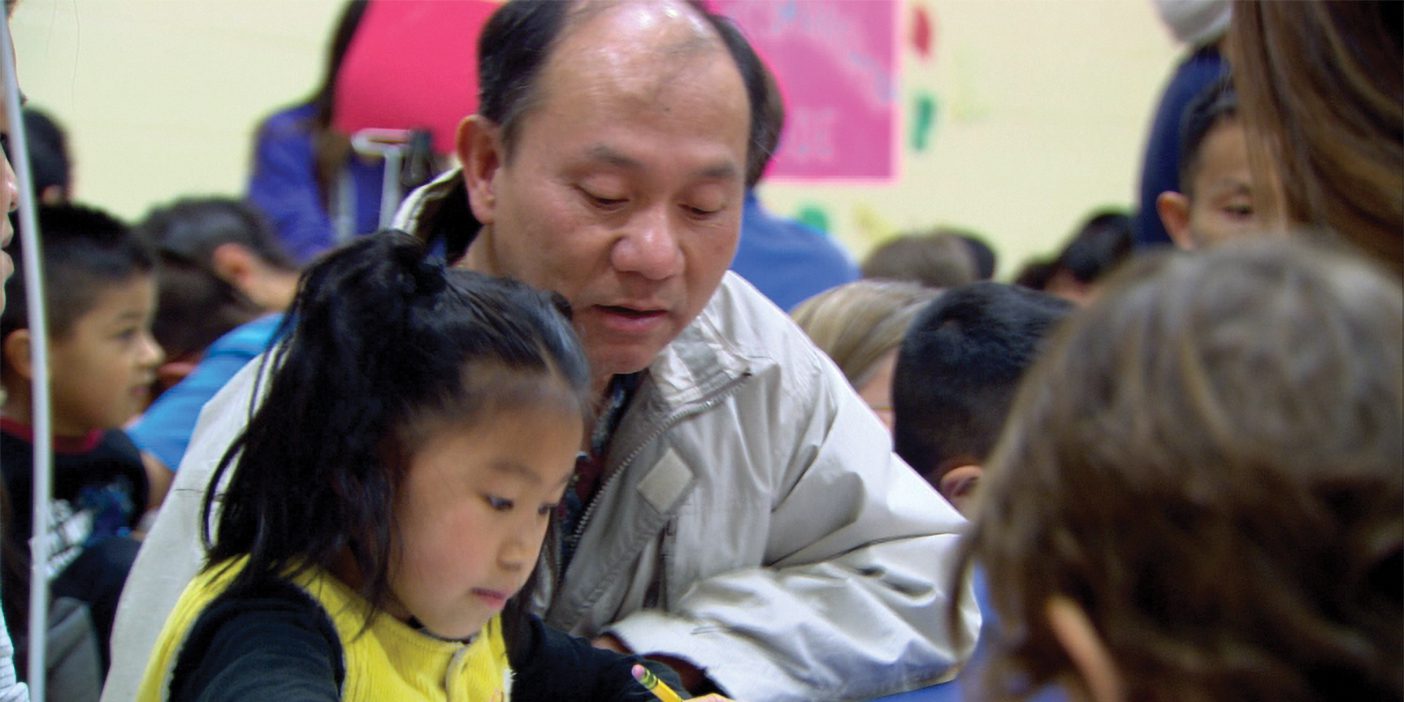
pixel 61 444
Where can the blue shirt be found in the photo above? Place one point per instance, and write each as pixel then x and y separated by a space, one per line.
pixel 786 260
pixel 165 429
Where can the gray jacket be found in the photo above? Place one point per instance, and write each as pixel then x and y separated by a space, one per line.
pixel 753 519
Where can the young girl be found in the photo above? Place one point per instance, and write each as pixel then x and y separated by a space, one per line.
pixel 387 503
pixel 1198 494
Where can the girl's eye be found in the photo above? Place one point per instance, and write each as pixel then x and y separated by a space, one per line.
pixel 546 509
pixel 499 504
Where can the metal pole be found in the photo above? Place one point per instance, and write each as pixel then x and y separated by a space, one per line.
pixel 39 351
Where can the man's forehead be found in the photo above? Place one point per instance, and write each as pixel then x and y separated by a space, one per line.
pixel 665 26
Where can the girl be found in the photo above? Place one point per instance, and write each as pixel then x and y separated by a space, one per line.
pixel 1197 495
pixel 387 503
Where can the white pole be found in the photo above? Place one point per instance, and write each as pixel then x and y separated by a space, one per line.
pixel 39 351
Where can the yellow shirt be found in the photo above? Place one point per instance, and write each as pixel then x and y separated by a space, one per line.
pixel 389 661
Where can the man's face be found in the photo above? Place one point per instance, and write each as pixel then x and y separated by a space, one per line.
pixel 625 186
pixel 1221 196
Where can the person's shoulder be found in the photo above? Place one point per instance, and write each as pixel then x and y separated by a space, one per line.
pixel 741 322
pixel 288 121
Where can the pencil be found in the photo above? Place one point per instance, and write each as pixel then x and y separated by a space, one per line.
pixel 654 685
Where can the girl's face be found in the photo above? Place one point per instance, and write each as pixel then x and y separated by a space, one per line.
pixel 473 511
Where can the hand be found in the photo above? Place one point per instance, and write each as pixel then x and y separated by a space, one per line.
pixel 690 675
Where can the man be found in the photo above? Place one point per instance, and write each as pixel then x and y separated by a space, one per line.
pixel 738 512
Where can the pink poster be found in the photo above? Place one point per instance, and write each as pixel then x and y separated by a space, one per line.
pixel 836 62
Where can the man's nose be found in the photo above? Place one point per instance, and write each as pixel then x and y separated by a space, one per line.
pixel 650 247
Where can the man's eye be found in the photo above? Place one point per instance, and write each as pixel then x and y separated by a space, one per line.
pixel 499 504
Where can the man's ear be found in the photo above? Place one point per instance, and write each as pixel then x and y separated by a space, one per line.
pixel 16 354
pixel 1085 649
pixel 481 153
pixel 1173 208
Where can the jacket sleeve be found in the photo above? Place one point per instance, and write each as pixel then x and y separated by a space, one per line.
pixel 283 186
pixel 848 600
pixel 551 665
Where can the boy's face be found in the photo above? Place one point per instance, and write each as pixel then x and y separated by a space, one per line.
pixel 1218 204
pixel 102 368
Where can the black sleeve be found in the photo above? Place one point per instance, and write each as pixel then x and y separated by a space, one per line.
pixel 275 643
pixel 552 665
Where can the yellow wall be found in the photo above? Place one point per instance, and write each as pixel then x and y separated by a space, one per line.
pixel 1041 110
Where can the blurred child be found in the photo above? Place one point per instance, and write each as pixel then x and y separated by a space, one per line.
pixel 860 325
pixel 1197 495
pixel 223 281
pixel 220 267
pixel 956 374
pixel 1215 198
pixel 1098 247
pixel 941 258
pixel 100 294
pixel 386 505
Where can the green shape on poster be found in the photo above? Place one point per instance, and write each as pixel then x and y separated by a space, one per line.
pixel 924 114
pixel 814 216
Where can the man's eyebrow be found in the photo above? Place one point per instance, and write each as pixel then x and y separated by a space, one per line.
pixel 600 152
pixel 612 157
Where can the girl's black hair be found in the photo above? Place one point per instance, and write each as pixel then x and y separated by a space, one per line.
pixel 379 345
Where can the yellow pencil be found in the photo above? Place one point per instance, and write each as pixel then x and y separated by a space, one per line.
pixel 654 685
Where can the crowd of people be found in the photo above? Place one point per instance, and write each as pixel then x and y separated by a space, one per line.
pixel 587 411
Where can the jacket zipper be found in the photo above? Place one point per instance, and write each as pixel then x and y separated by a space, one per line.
pixel 663 426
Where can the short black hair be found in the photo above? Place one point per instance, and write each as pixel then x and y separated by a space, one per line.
pixel 1215 104
pixel 958 367
pixel 84 251
pixel 1103 241
pixel 49 162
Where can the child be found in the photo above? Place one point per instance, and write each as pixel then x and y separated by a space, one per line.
pixel 100 295
pixel 1197 495
pixel 860 325
pixel 957 371
pixel 1215 200
pixel 386 505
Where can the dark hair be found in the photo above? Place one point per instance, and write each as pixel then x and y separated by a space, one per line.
pixel 1215 104
pixel 48 152
pixel 1207 462
pixel 84 252
pixel 938 259
pixel 1035 274
pixel 197 306
pixel 959 365
pixel 985 258
pixel 519 37
pixel 380 347
pixel 1103 241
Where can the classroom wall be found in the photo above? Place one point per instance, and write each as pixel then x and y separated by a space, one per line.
pixel 1034 110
